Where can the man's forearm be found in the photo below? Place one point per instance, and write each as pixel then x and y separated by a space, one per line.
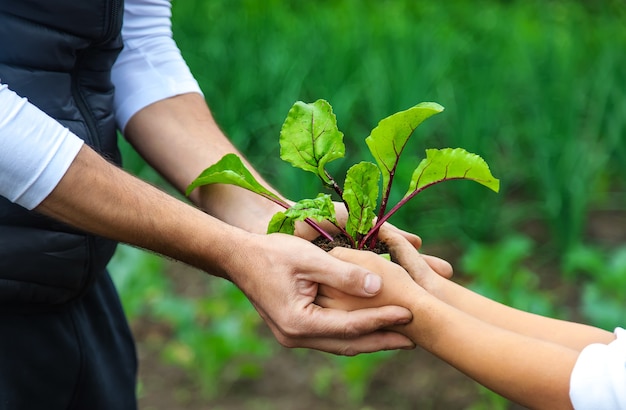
pixel 179 137
pixel 98 197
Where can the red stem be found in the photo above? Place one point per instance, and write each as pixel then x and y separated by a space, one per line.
pixel 373 233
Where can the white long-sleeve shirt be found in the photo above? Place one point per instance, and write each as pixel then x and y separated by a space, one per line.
pixel 598 381
pixel 36 151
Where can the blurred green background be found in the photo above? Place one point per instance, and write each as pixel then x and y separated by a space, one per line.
pixel 537 88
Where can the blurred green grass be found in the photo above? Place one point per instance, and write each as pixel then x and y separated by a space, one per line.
pixel 537 88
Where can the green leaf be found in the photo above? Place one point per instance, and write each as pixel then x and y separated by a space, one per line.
pixel 231 170
pixel 448 163
pixel 320 208
pixel 361 194
pixel 309 137
pixel 280 222
pixel 390 136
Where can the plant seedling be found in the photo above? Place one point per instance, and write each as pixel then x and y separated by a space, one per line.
pixel 310 139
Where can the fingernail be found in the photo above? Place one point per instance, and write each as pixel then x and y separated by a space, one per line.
pixel 373 283
pixel 404 321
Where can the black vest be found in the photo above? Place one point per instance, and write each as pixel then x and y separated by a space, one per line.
pixel 58 54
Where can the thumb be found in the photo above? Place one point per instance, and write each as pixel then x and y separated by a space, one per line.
pixel 355 275
pixel 339 270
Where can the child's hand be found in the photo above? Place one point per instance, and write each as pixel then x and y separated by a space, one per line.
pixel 398 286
pixel 422 268
pixel 388 231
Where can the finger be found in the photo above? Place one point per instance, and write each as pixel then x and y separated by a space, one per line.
pixel 316 321
pixel 370 260
pixel 400 250
pixel 347 276
pixel 414 263
pixel 407 256
pixel 441 266
pixel 373 342
pixel 342 342
pixel 356 256
pixel 348 333
pixel 351 324
pixel 403 253
pixel 328 297
pixel 325 301
pixel 413 239
pixel 325 290
pixel 330 302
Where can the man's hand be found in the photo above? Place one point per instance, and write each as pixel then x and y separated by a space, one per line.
pixel 279 273
pixel 281 280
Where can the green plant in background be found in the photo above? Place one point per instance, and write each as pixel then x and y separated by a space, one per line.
pixel 549 76
pixel 214 337
pixel 604 275
pixel 353 374
pixel 499 273
pixel 489 400
pixel 217 337
pixel 310 139
pixel 138 277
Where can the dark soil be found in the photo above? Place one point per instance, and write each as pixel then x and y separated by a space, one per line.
pixel 342 240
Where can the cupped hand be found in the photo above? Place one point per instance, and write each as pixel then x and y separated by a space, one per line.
pixel 423 268
pixel 281 274
pixel 398 286
pixel 407 242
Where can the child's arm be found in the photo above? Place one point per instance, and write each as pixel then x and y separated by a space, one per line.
pixel 529 371
pixel 569 334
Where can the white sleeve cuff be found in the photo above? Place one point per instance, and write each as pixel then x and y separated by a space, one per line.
pixel 150 67
pixel 598 379
pixel 35 150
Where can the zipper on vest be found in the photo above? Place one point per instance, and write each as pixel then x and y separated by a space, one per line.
pixel 83 107
pixel 114 20
pixel 111 29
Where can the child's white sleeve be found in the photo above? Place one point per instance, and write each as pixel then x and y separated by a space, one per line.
pixel 150 67
pixel 598 380
pixel 35 150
